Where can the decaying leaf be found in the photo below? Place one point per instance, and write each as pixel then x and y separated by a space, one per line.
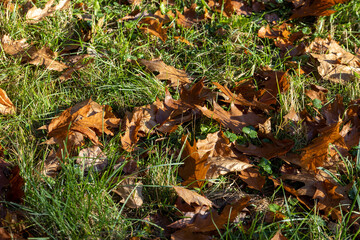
pixel 278 236
pixel 235 119
pixel 214 220
pixel 335 63
pixel 43 56
pixel 175 76
pixel 131 192
pixel 35 15
pixel 273 83
pixel 153 26
pixel 13 47
pixel 77 65
pixel 194 170
pixel 6 106
pixel 253 178
pixel 189 18
pixel 192 198
pixel 86 119
pixel 92 157
pixel 220 166
pixel 268 150
pixel 315 154
pixel 215 143
pixel 316 8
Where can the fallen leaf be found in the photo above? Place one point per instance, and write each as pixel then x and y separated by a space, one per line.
pixel 278 236
pixel 85 119
pixel 35 15
pixel 92 157
pixel 234 119
pixel 185 234
pixel 213 220
pixel 194 170
pixel 175 76
pixel 317 92
pixel 316 8
pixel 153 26
pixel 273 83
pixel 192 198
pixel 334 63
pixel 6 106
pixel 43 56
pixel 13 47
pixel 190 17
pixel 253 178
pixel 214 143
pixel 334 111
pixel 219 166
pixel 315 154
pixel 131 192
pixel 268 150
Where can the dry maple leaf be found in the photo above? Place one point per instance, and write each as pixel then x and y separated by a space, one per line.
pixel 213 220
pixel 190 17
pixel 274 82
pixel 43 56
pixel 35 15
pixel 253 178
pixel 268 150
pixel 154 27
pixel 131 192
pixel 215 143
pixel 316 8
pixel 192 198
pixel 219 166
pixel 315 154
pixel 13 47
pixel 92 157
pixel 335 63
pixel 279 236
pixel 235 119
pixel 238 99
pixel 6 106
pixel 334 111
pixel 225 7
pixel 85 119
pixel 77 65
pixel 194 170
pixel 175 76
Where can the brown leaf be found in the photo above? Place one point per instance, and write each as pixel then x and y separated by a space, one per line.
pixel 253 178
pixel 316 8
pixel 235 119
pixel 85 119
pixel 189 18
pixel 43 56
pixel 185 234
pixel 317 92
pixel 223 165
pixel 213 220
pixel 334 63
pixel 6 106
pixel 278 236
pixel 194 170
pixel 333 112
pixel 131 192
pixel 192 198
pixel 184 40
pixel 175 76
pixel 215 143
pixel 239 99
pixel 241 8
pixel 274 82
pixel 222 6
pixel 92 157
pixel 153 26
pixel 15 192
pixel 35 15
pixel 315 154
pixel 13 47
pixel 268 150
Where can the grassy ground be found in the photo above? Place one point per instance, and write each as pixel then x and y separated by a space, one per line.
pixel 76 206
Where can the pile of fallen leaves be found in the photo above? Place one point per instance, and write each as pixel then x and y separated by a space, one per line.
pixel 331 131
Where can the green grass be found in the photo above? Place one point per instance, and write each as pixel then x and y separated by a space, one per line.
pixel 78 206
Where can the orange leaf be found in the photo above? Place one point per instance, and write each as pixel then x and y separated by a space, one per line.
pixel 6 106
pixel 316 8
